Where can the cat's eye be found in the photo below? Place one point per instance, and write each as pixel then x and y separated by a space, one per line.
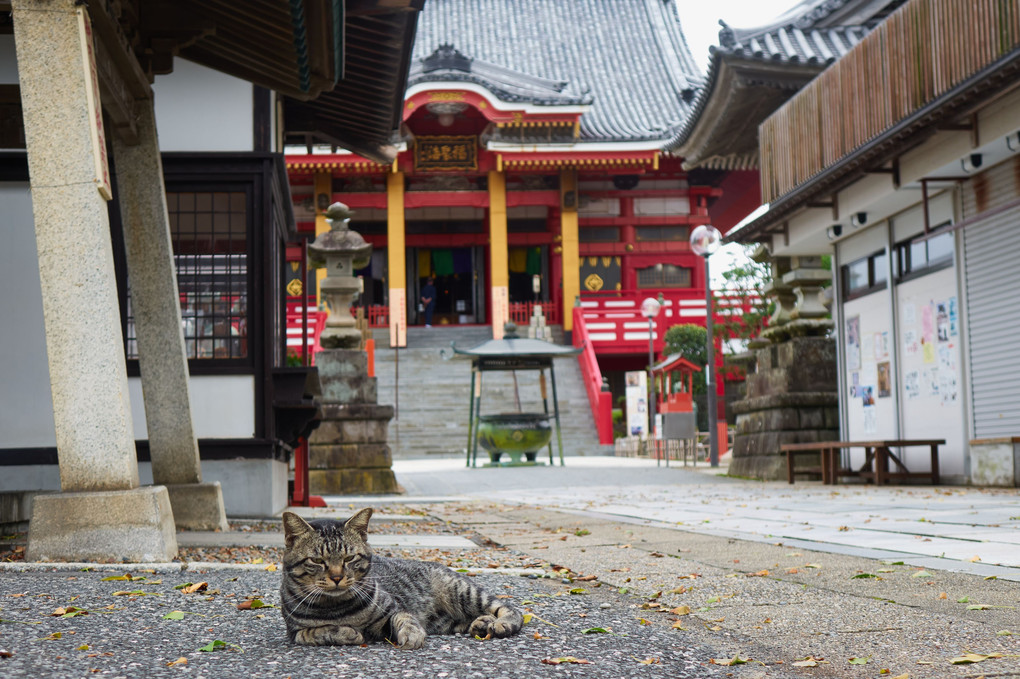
pixel 315 561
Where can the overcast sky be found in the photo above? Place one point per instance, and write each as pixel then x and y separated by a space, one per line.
pixel 700 20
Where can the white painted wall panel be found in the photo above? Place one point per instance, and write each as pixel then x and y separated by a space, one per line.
pixel 26 404
pixel 222 406
pixel 8 61
pixel 930 378
pixel 199 109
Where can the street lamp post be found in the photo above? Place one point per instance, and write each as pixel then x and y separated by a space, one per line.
pixel 650 309
pixel 705 240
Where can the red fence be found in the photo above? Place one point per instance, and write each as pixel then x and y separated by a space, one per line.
pixel 520 312
pixel 601 401
pixel 296 328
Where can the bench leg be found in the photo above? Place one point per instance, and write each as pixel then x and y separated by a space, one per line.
pixel 935 464
pixel 789 466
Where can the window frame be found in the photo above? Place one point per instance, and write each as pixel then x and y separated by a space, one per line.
pixel 903 249
pixel 874 285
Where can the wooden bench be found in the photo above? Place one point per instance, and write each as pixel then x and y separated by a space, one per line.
pixel 878 454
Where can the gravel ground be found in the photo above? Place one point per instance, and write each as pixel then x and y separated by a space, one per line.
pixel 128 635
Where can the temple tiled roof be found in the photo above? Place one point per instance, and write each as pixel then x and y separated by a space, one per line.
pixel 627 59
pixel 788 43
pixel 777 59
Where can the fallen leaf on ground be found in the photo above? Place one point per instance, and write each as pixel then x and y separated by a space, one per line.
pixel 218 645
pixel 681 610
pixel 174 615
pixel 253 604
pixel 567 660
pixel 968 658
pixel 735 660
pixel 810 661
pixel 195 587
pixel 921 574
pixel 860 661
pixel 649 661
pixel 180 661
pixel 595 630
pixel 127 576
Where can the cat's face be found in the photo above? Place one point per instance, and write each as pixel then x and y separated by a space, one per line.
pixel 327 556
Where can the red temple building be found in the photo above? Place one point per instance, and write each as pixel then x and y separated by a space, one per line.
pixel 530 170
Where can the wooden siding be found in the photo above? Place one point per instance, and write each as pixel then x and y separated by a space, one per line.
pixel 919 53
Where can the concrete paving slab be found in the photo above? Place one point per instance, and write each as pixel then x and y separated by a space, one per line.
pixel 267 539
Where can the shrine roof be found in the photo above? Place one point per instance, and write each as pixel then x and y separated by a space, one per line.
pixel 627 58
pixel 755 70
pixel 447 64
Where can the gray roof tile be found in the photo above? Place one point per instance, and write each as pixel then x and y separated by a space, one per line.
pixel 628 58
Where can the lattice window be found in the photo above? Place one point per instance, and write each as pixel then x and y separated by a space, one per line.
pixel 664 276
pixel 209 231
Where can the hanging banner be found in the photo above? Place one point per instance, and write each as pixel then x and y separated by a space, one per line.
pixel 636 393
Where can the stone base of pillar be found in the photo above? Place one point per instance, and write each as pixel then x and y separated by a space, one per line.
pixel 122 525
pixel 347 453
pixel 790 398
pixel 198 506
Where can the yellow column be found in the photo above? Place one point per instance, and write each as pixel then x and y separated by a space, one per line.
pixel 395 258
pixel 323 187
pixel 570 259
pixel 499 271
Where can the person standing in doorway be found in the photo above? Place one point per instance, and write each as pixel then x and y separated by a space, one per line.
pixel 428 299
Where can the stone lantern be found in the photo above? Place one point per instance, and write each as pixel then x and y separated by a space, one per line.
pixel 340 251
pixel 348 453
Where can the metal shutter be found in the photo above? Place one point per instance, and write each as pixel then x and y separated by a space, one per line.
pixel 992 265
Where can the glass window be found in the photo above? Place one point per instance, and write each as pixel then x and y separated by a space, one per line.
pixel 670 233
pixel 865 275
pixel 210 242
pixel 664 276
pixel 918 255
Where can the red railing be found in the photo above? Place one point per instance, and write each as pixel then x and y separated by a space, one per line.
pixel 296 328
pixel 520 312
pixel 601 401
pixel 615 324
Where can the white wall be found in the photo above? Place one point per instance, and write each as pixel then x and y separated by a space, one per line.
pixel 26 404
pixel 931 387
pixel 199 109
pixel 8 61
pixel 222 406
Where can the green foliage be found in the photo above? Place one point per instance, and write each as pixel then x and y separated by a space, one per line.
pixel 688 340
pixel 746 282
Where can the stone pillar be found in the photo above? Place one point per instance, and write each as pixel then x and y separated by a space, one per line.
pixel 161 351
pixel 499 274
pixel 88 377
pixel 790 393
pixel 348 453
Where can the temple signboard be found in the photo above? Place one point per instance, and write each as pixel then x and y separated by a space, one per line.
pixel 446 153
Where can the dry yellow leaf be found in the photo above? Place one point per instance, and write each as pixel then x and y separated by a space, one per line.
pixel 180 661
pixel 681 610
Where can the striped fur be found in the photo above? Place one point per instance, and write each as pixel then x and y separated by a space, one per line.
pixel 335 591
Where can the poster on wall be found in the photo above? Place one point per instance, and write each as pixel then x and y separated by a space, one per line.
pixel 870 420
pixel 942 321
pixel 867 395
pixel 954 328
pixel 912 384
pixel 910 344
pixel 853 343
pixel 881 345
pixel 637 397
pixel 855 385
pixel 884 380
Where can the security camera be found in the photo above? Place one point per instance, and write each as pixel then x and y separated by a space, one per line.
pixel 972 162
pixel 834 231
pixel 858 219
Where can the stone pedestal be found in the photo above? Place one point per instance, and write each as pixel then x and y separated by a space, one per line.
pixel 132 525
pixel 791 398
pixel 348 453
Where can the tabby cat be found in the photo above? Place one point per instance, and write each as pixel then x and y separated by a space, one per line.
pixel 335 591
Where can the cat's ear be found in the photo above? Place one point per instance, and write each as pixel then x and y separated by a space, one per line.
pixel 359 522
pixel 294 527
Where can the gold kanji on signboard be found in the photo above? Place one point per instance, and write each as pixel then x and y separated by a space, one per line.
pixel 445 153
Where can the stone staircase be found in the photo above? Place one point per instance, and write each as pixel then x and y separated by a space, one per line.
pixel 432 408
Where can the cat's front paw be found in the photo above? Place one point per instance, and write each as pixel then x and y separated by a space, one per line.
pixel 489 626
pixel 328 635
pixel 409 634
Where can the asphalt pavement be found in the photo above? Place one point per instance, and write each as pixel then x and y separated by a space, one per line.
pixel 626 569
